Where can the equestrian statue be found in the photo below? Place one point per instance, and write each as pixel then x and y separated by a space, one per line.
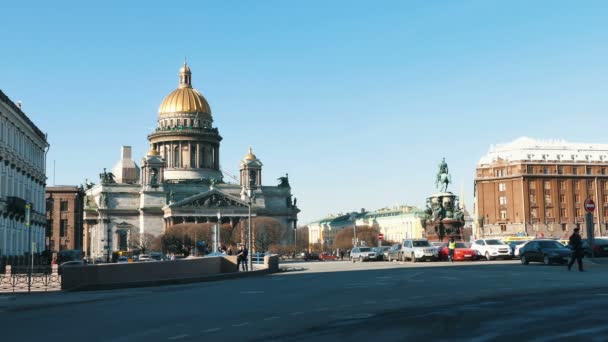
pixel 443 177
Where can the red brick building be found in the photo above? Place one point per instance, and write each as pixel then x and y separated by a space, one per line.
pixel 539 187
pixel 64 214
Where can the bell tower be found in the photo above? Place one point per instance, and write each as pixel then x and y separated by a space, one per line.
pixel 251 171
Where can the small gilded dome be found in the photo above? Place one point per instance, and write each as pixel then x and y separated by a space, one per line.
pixel 250 155
pixel 184 99
pixel 152 152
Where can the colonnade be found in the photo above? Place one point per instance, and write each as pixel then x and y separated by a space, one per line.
pixel 189 154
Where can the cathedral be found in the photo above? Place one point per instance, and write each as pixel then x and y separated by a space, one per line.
pixel 179 181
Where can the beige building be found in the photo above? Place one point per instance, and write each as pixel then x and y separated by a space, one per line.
pixel 534 187
pixel 23 148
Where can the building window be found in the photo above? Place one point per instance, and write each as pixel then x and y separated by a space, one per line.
pixel 503 214
pixel 603 170
pixel 502 200
pixel 547 199
pixel 546 170
pixel 548 213
pixel 63 228
pixel 605 199
pixel 502 186
pixel 63 205
pixel 560 170
pixel 193 157
pixel 577 185
pixel 530 169
pixel 579 212
pixel 533 199
pixel 532 185
pixel 588 170
pixel 503 228
pixel 533 213
pixel 547 185
pixel 176 153
pixel 605 185
pixel 577 198
pixel 562 185
pixel 575 170
pixel 564 227
pixel 562 212
pixel 500 172
pixel 562 198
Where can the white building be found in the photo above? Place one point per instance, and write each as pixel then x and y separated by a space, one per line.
pixel 180 181
pixel 23 149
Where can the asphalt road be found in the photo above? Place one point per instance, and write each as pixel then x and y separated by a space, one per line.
pixel 333 301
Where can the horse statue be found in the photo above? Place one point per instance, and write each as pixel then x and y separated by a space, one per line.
pixel 443 177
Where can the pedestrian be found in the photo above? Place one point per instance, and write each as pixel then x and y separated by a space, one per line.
pixel 239 257
pixel 230 250
pixel 578 252
pixel 451 249
pixel 341 255
pixel 245 253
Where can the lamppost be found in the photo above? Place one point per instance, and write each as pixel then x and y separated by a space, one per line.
pixel 250 197
pixel 108 244
pixel 217 232
pixel 354 219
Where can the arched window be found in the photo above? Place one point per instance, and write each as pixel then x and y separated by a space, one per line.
pixel 176 158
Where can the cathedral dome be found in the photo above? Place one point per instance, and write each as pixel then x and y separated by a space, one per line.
pixel 184 99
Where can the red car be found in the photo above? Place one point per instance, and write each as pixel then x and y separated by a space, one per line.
pixel 326 256
pixel 461 253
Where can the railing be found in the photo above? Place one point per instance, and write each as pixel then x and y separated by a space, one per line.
pixel 42 279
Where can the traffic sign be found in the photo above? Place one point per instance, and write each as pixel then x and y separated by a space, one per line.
pixel 589 205
pixel 380 236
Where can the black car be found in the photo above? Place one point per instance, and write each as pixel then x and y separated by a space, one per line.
pixel 600 247
pixel 545 251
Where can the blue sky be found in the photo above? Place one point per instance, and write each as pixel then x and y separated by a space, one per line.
pixel 357 100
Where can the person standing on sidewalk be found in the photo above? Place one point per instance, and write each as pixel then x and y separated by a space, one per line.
pixel 578 252
pixel 451 249
pixel 245 252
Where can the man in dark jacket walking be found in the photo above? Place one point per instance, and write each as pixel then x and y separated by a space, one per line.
pixel 578 252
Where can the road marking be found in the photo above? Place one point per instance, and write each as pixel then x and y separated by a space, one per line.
pixel 211 330
pixel 414 275
pixel 321 309
pixel 271 318
pixel 251 292
pixel 240 324
pixel 345 306
pixel 370 302
pixel 178 337
pixel 449 278
pixel 296 313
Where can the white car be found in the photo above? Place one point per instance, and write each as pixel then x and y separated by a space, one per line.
pixel 362 254
pixel 418 249
pixel 492 249
pixel 145 258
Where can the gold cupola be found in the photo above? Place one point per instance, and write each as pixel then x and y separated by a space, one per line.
pixel 185 99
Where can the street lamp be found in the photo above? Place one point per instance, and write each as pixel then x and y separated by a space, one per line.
pixel 354 219
pixel 108 243
pixel 217 232
pixel 250 188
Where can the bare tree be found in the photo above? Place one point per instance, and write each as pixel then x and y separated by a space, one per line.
pixel 141 241
pixel 344 238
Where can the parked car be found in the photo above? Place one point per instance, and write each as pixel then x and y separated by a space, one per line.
pixel 418 249
pixel 514 247
pixel 461 253
pixel 327 256
pixel 144 258
pixel 362 254
pixel 122 260
pixel 381 253
pixel 545 251
pixel 307 256
pixel 600 247
pixel 492 249
pixel 394 252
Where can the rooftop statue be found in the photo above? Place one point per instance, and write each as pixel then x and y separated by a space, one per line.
pixel 106 177
pixel 443 177
pixel 284 181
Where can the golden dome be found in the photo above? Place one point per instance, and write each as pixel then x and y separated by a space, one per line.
pixel 152 151
pixel 184 99
pixel 250 155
